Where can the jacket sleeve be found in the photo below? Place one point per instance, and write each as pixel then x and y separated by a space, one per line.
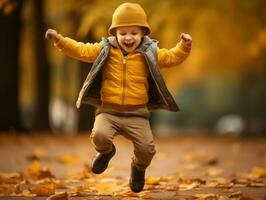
pixel 174 56
pixel 86 52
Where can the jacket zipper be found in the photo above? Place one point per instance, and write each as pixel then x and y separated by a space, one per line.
pixel 124 77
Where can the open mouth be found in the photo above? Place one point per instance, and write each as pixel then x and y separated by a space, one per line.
pixel 129 45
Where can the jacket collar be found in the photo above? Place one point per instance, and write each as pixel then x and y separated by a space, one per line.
pixel 146 41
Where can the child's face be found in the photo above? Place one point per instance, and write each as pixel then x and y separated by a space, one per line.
pixel 129 37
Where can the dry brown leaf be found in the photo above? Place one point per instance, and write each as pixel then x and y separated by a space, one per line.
pixel 218 182
pixel 171 188
pixel 223 198
pixel 46 189
pixel 27 193
pixel 59 196
pixel 59 184
pixel 145 195
pixel 206 196
pixel 36 171
pixel 228 190
pixel 8 189
pixel 247 198
pixel 188 186
pixel 254 184
pixel 80 188
pixel 200 157
pixel 250 176
pixel 236 194
pixel 13 178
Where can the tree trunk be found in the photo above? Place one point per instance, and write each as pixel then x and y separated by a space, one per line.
pixel 41 119
pixel 9 77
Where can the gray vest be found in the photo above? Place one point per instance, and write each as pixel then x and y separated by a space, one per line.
pixel 159 96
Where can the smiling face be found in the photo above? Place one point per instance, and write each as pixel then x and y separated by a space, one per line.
pixel 129 37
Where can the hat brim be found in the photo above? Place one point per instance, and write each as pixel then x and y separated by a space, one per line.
pixel 112 32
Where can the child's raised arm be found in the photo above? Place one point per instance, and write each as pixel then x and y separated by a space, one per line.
pixel 176 55
pixel 78 50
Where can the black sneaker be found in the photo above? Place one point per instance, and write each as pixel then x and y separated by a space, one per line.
pixel 137 179
pixel 100 162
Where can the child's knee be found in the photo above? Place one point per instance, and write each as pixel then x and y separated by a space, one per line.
pixel 100 138
pixel 146 150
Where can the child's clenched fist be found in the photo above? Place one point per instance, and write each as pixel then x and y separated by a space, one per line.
pixel 52 35
pixel 186 39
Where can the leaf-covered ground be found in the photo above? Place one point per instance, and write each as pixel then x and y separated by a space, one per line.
pixel 43 166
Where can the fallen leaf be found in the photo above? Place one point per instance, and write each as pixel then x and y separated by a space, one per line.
pixel 11 177
pixel 46 189
pixel 27 193
pixel 36 171
pixel 8 189
pixel 218 182
pixel 107 188
pixel 188 186
pixel 145 195
pixel 199 157
pixel 152 180
pixel 236 194
pixel 171 188
pixel 68 159
pixel 206 196
pixel 59 196
pixel 214 171
pixel 79 188
pixel 254 184
pixel 259 171
pixel 59 184
pixel 223 198
pixel 247 198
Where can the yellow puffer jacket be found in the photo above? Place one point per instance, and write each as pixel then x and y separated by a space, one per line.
pixel 124 79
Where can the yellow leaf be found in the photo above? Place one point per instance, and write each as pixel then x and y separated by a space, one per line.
pixel 152 180
pixel 36 171
pixel 206 196
pixel 27 193
pixel 259 171
pixel 223 198
pixel 68 159
pixel 214 171
pixel 107 188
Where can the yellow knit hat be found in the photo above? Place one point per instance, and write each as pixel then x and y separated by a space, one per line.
pixel 129 14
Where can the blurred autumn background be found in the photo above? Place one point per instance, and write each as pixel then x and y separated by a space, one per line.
pixel 220 88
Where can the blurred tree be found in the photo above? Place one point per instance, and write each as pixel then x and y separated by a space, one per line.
pixel 41 118
pixel 10 23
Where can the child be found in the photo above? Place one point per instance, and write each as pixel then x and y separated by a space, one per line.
pixel 124 84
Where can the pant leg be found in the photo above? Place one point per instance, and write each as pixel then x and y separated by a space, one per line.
pixel 103 132
pixel 138 130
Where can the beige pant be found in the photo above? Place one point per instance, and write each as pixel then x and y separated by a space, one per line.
pixel 135 128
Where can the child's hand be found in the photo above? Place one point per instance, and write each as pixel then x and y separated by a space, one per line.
pixel 52 35
pixel 186 39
